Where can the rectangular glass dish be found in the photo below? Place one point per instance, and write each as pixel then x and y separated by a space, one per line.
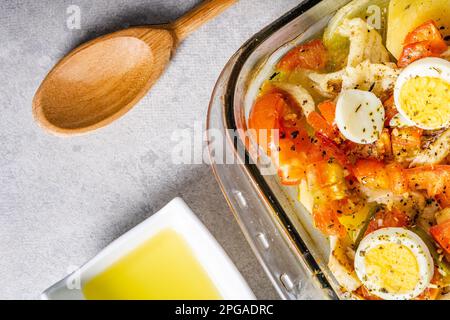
pixel 278 228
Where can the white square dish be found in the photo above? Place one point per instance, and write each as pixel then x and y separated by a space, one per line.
pixel 178 217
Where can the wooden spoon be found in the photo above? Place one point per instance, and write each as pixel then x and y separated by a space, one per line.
pixel 103 79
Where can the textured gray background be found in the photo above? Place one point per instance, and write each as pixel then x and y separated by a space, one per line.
pixel 64 199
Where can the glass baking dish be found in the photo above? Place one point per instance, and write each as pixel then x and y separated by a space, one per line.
pixel 279 229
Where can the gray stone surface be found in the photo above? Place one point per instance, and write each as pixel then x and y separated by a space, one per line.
pixel 64 199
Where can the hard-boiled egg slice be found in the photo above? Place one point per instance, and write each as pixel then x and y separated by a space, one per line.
pixel 359 116
pixel 422 93
pixel 394 264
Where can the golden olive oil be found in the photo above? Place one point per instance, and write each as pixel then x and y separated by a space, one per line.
pixel 162 268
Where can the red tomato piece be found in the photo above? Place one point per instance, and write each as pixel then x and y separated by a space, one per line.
pixel 441 233
pixel 376 175
pixel 326 220
pixel 372 174
pixel 277 111
pixel 426 31
pixel 327 181
pixel 397 179
pixel 328 111
pixel 291 156
pixel 434 179
pixel 424 41
pixel 443 199
pixel 319 124
pixel 311 55
pixel 419 50
pixel 327 150
pixel 265 116
pixel 389 109
pixel 406 142
pixel 388 219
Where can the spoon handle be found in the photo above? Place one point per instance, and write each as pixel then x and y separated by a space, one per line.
pixel 194 19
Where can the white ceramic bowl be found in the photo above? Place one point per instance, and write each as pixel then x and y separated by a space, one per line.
pixel 178 217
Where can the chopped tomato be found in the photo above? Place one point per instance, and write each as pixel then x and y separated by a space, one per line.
pixel 441 233
pixel 291 155
pixel 376 175
pixel 291 175
pixel 397 179
pixel 426 31
pixel 319 124
pixel 372 174
pixel 327 181
pixel 443 199
pixel 277 121
pixel 419 50
pixel 327 149
pixel 328 111
pixel 388 219
pixel 329 188
pixel 265 116
pixel 389 109
pixel 433 179
pixel 311 55
pixel 425 41
pixel 406 143
pixel 326 220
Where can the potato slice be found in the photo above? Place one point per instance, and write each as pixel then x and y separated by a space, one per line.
pixel 406 15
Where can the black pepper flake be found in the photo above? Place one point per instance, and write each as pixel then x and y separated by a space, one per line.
pixel 273 76
pixel 294 134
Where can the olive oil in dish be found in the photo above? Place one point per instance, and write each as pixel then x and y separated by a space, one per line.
pixel 171 255
pixel 164 267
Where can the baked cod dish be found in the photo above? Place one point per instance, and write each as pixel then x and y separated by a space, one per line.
pixel 358 120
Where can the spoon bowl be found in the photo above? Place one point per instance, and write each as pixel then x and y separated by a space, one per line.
pixel 103 79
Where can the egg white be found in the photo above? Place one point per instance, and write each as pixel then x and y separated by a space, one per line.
pixel 359 116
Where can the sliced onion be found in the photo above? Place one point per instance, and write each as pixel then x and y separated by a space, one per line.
pixel 300 95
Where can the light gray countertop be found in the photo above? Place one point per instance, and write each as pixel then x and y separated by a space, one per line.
pixel 64 199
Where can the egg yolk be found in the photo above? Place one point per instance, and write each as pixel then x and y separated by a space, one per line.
pixel 426 101
pixel 393 268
